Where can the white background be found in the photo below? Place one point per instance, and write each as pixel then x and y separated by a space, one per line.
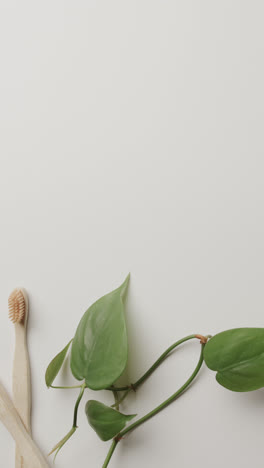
pixel 132 140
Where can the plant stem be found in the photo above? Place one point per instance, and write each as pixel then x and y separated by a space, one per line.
pixel 117 401
pixel 154 366
pixel 168 401
pixel 161 359
pixel 157 409
pixel 74 386
pixel 74 424
pixel 62 442
pixel 110 453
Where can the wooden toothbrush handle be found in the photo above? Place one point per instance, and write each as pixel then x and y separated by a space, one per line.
pixel 10 418
pixel 19 460
pixel 22 384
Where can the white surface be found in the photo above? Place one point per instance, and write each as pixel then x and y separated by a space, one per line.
pixel 132 140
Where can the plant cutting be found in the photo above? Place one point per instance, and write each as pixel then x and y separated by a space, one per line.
pixel 98 357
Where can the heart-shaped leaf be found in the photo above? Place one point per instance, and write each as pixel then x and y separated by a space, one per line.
pixel 106 421
pixel 55 365
pixel 99 348
pixel 238 357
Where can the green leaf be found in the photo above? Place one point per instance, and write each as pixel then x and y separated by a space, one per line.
pixel 99 348
pixel 238 357
pixel 55 365
pixel 106 421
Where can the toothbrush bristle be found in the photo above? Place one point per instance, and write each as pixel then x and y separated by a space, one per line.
pixel 16 306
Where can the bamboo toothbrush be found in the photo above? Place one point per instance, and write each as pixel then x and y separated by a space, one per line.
pixel 9 416
pixel 18 313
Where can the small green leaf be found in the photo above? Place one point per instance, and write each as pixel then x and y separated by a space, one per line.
pixel 55 365
pixel 99 348
pixel 106 421
pixel 238 357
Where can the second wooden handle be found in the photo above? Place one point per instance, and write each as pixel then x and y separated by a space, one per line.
pixel 10 418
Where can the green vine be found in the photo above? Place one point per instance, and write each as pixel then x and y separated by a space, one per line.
pixel 98 357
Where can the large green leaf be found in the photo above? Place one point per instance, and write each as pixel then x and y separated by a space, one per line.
pixel 106 421
pixel 238 357
pixel 55 365
pixel 99 348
